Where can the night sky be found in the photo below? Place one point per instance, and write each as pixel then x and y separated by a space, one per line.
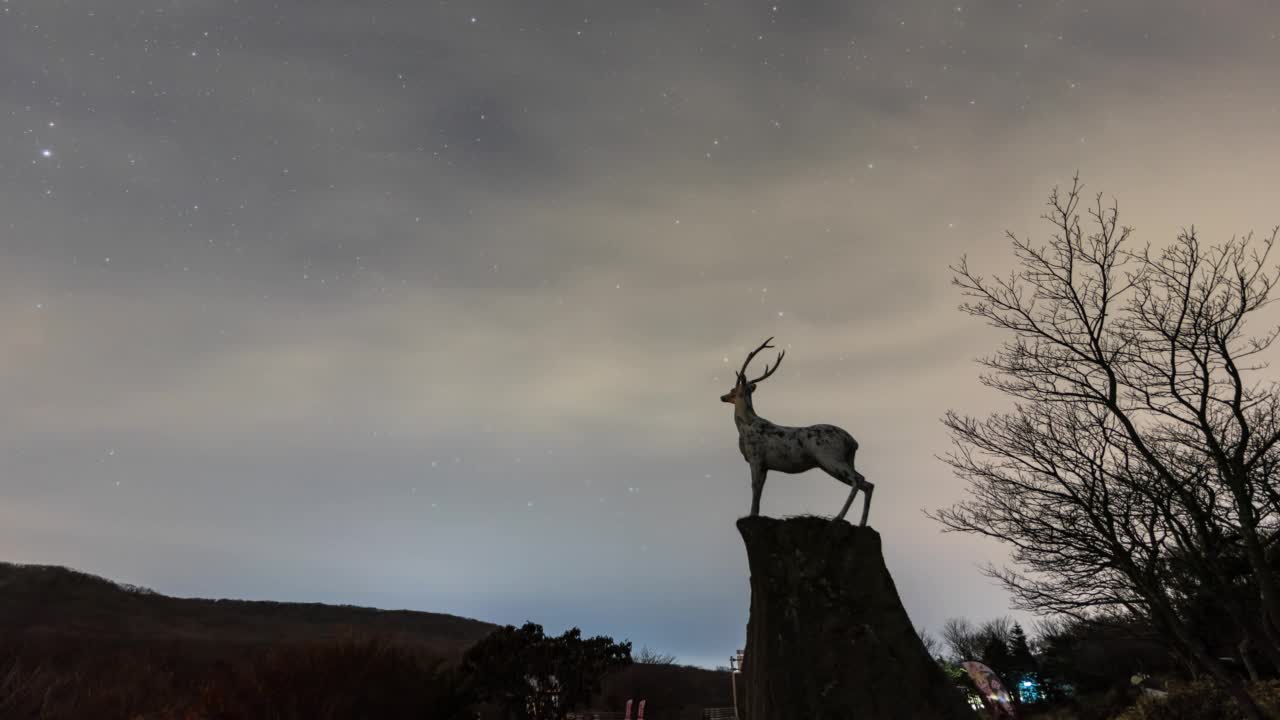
pixel 429 304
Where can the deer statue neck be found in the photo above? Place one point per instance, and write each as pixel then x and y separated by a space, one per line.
pixel 743 412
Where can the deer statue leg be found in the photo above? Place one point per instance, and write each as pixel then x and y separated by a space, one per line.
pixel 867 489
pixel 853 491
pixel 847 475
pixel 758 473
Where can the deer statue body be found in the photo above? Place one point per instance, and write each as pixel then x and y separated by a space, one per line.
pixel 766 446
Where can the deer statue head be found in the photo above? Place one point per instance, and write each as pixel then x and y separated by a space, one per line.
pixel 743 388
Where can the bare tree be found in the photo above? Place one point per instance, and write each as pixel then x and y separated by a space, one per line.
pixel 1139 452
pixel 960 637
pixel 966 641
pixel 932 645
pixel 647 656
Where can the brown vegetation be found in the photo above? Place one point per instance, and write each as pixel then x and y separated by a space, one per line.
pixel 673 692
pixel 353 678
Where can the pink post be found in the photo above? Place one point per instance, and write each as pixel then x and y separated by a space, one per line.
pixel 640 715
pixel 628 716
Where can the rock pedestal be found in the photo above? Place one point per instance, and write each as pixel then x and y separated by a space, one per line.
pixel 828 638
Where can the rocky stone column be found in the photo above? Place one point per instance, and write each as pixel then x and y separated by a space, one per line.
pixel 828 638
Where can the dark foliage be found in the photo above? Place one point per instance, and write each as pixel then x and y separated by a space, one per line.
pixel 995 655
pixel 1202 701
pixel 46 679
pixel 672 692
pixel 357 678
pixel 1023 668
pixel 353 678
pixel 1098 658
pixel 966 641
pixel 537 677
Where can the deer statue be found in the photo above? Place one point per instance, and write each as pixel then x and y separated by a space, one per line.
pixel 766 446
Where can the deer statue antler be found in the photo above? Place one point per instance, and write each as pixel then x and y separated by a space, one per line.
pixel 767 370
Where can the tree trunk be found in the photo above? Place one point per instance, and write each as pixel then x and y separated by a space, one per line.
pixel 1268 592
pixel 1243 649
pixel 1250 625
pixel 1270 648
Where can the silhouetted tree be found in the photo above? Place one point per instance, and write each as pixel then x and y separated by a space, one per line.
pixel 652 657
pixel 1099 655
pixel 1022 664
pixel 1020 648
pixel 995 655
pixel 1139 452
pixel 931 643
pixel 536 677
pixel 967 641
pixel 961 639
pixel 579 665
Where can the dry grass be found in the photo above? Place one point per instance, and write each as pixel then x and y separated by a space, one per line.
pixel 352 678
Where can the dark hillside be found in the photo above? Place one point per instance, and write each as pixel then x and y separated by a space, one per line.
pixel 74 645
pixel 39 601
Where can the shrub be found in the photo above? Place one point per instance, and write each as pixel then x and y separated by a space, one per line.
pixel 351 679
pixel 1201 701
pixel 115 684
pixel 56 679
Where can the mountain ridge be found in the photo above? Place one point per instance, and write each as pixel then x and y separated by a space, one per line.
pixel 53 600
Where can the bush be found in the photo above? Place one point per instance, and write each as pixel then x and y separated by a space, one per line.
pixel 672 691
pixel 1201 701
pixel 351 679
